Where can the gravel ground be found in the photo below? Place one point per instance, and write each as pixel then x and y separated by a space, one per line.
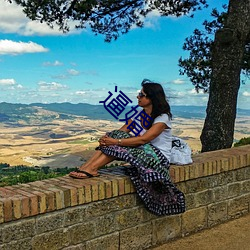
pixel 232 235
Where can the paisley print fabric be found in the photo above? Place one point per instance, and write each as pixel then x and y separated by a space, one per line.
pixel 149 172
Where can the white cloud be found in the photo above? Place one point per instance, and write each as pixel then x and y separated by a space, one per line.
pixel 13 20
pixel 188 97
pixel 7 82
pixel 193 92
pixel 246 93
pixel 55 63
pixel 80 92
pixel 11 17
pixel 15 48
pixel 10 84
pixel 178 81
pixel 19 86
pixel 44 86
pixel 73 72
pixel 152 20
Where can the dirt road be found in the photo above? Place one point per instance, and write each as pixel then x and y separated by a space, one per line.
pixel 233 235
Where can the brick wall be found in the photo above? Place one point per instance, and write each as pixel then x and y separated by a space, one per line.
pixel 105 212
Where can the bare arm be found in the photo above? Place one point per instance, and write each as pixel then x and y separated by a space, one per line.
pixel 124 127
pixel 151 134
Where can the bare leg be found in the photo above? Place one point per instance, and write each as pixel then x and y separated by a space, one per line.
pixel 93 158
pixel 98 160
pixel 98 163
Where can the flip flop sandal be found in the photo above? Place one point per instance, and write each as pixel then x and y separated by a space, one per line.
pixel 87 175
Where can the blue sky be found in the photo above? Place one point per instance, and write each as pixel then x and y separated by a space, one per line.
pixel 38 64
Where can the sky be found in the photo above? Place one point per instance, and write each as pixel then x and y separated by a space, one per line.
pixel 38 64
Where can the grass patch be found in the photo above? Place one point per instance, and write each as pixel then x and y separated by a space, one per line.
pixel 23 174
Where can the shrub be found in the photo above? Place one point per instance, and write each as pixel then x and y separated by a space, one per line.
pixel 22 174
pixel 242 142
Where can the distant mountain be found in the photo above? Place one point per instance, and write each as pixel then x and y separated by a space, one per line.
pixel 95 112
pixel 10 112
pixel 197 112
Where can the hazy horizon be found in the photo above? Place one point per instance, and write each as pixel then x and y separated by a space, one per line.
pixel 39 64
pixel 44 103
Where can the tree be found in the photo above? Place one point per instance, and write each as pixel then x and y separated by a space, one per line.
pixel 198 65
pixel 227 58
pixel 113 17
pixel 200 68
pixel 108 17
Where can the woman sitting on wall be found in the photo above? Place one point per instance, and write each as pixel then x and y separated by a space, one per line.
pixel 148 153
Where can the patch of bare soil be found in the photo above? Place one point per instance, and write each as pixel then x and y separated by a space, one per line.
pixel 232 235
pixel 70 142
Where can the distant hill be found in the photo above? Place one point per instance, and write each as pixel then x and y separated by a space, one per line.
pixel 95 112
pixel 10 112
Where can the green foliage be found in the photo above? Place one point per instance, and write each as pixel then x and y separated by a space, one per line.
pixel 242 142
pixel 23 174
pixel 198 67
pixel 108 17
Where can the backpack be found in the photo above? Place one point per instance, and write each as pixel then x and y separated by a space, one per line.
pixel 180 152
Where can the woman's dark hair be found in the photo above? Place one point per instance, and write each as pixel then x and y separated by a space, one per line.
pixel 156 94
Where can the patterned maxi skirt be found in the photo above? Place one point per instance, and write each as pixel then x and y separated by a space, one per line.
pixel 149 172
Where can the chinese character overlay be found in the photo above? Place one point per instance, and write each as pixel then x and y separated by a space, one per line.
pixel 117 105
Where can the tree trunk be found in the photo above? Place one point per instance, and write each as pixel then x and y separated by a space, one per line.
pixel 227 56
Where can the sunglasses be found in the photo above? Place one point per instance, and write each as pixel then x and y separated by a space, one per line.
pixel 140 94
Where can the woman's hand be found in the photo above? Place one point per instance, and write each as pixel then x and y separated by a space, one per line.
pixel 107 141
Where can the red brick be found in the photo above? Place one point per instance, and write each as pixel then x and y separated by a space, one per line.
pixel 6 192
pixel 87 193
pixel 172 173
pixel 50 200
pixel 66 195
pixel 17 210
pixel 210 168
pixel 114 184
pixel 78 184
pixel 1 211
pixel 95 183
pixel 73 195
pixel 25 205
pixel 187 172
pixel 127 185
pixel 225 164
pixel 108 189
pixel 101 191
pixel 38 184
pixel 7 209
pixel 41 202
pixel 121 185
pixel 33 200
pixel 201 170
pixel 94 193
pixel 192 171
pixel 59 199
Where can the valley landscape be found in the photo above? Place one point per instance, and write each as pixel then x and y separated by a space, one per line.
pixel 65 135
